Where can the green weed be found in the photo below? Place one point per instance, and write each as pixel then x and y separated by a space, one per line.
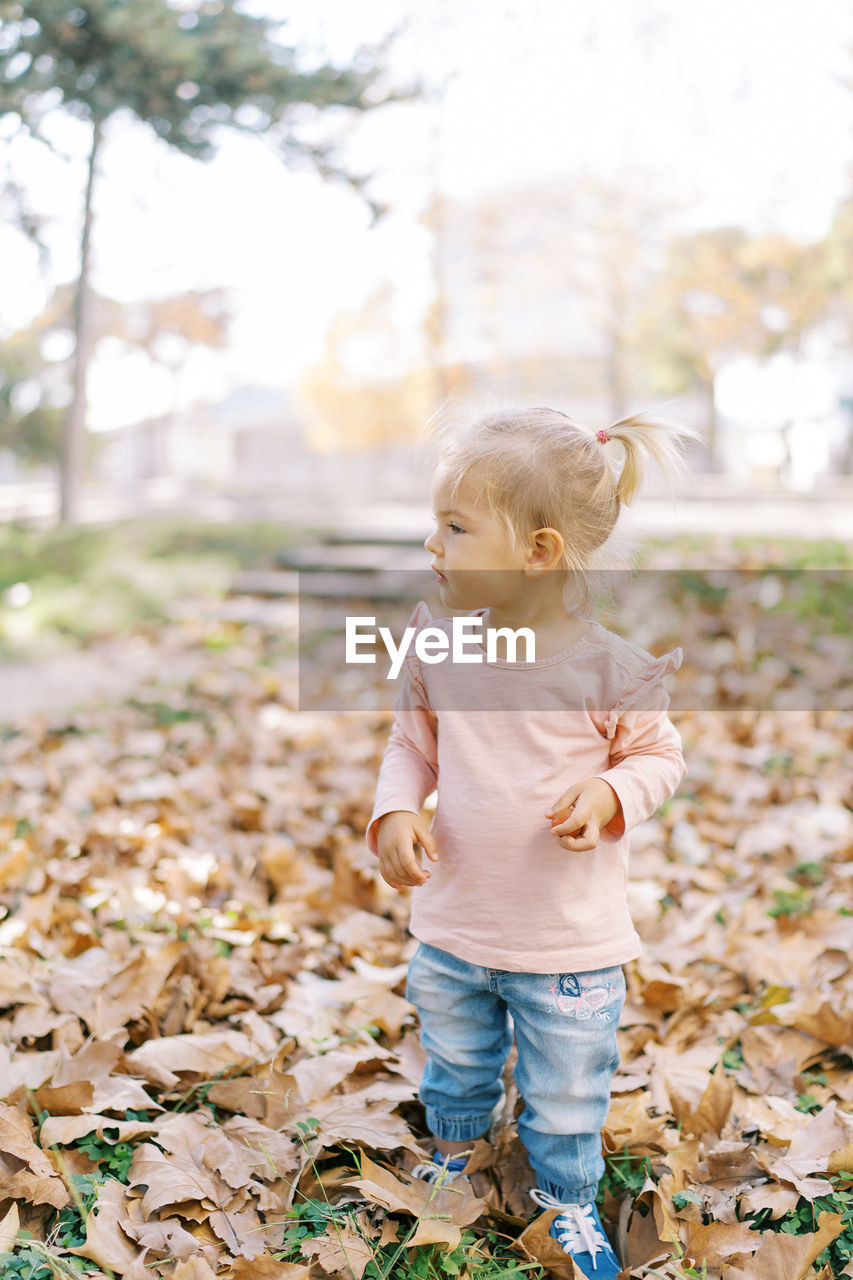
pixel 790 903
pixel 802 1220
pixel 733 1059
pixel 624 1174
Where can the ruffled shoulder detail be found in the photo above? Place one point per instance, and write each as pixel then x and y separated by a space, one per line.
pixel 420 617
pixel 640 690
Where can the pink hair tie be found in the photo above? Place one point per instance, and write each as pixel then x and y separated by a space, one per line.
pixel 601 435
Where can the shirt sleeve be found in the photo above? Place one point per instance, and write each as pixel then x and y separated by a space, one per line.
pixel 647 761
pixel 409 769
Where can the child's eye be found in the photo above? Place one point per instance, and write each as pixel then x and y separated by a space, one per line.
pixel 455 527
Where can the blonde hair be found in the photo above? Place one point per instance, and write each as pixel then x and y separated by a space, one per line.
pixel 537 468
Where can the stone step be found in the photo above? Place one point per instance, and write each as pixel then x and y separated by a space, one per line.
pixel 359 555
pixel 381 535
pixel 326 584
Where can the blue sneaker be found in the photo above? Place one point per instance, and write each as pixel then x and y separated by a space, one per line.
pixel 578 1231
pixel 432 1170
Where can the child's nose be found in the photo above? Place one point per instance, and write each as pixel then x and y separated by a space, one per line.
pixel 430 544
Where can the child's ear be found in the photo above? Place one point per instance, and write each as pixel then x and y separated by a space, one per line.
pixel 547 549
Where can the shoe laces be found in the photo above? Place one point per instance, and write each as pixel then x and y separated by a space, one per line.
pixel 576 1224
pixel 431 1170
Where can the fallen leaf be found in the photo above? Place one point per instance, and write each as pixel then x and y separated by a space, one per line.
pixel 205 1054
pixel 786 1257
pixel 193 1269
pixel 169 1182
pixel 713 1108
pixel 25 1171
pixel 167 1237
pixel 342 1249
pixel 809 1152
pixel 441 1211
pixel 538 1245
pixel 106 1242
pixel 710 1245
pixel 264 1267
pixel 9 1225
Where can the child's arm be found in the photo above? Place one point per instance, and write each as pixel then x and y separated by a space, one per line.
pixel 646 764
pixel 408 774
pixel 397 834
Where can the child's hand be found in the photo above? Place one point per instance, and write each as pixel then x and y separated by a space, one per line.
pixel 579 815
pixel 397 834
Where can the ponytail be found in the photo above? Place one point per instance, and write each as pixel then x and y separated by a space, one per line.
pixel 643 439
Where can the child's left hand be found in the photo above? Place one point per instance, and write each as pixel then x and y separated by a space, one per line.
pixel 581 813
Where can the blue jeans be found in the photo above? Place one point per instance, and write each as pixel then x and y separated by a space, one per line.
pixel 565 1033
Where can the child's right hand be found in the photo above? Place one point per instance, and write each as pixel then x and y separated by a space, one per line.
pixel 396 836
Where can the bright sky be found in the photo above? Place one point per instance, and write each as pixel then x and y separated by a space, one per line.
pixel 736 109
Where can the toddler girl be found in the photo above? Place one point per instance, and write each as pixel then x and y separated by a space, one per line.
pixel 542 768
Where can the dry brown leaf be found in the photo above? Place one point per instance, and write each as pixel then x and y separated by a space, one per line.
pixel 342 1250
pixel 711 1244
pixel 350 1119
pixel 638 1237
pixel 714 1106
pixel 631 1123
pixel 196 1142
pixel 62 1131
pixel 9 1225
pixel 785 1257
pixel 107 991
pixel 773 1196
pixel 441 1211
pixel 106 1242
pixel 207 800
pixel 271 1154
pixel 825 1022
pixel 194 1269
pixel 265 1267
pixel 167 1237
pixel 316 1077
pixel 204 1053
pixel 170 1183
pixel 539 1245
pixel 24 1070
pixel 25 1171
pixel 810 1151
pixel 240 1229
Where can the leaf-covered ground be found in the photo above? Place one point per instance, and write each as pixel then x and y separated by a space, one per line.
pixel 208 1068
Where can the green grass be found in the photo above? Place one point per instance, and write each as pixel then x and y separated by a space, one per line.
pixel 88 582
pixel 759 550
pixel 478 1256
pixel 92 581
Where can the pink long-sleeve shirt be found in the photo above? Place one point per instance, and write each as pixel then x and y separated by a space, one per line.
pixel 500 741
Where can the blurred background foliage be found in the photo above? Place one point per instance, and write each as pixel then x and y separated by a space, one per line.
pixel 588 288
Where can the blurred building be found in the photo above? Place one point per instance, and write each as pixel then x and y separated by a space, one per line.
pixel 252 437
pixel 254 442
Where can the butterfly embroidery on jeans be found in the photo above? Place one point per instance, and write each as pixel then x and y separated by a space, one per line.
pixel 582 1004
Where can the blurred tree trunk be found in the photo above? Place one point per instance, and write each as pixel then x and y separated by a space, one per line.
pixel 74 434
pixel 847 456
pixel 185 73
pixel 711 424
pixel 436 319
pixel 616 340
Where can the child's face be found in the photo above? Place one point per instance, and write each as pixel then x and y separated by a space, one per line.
pixel 470 548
